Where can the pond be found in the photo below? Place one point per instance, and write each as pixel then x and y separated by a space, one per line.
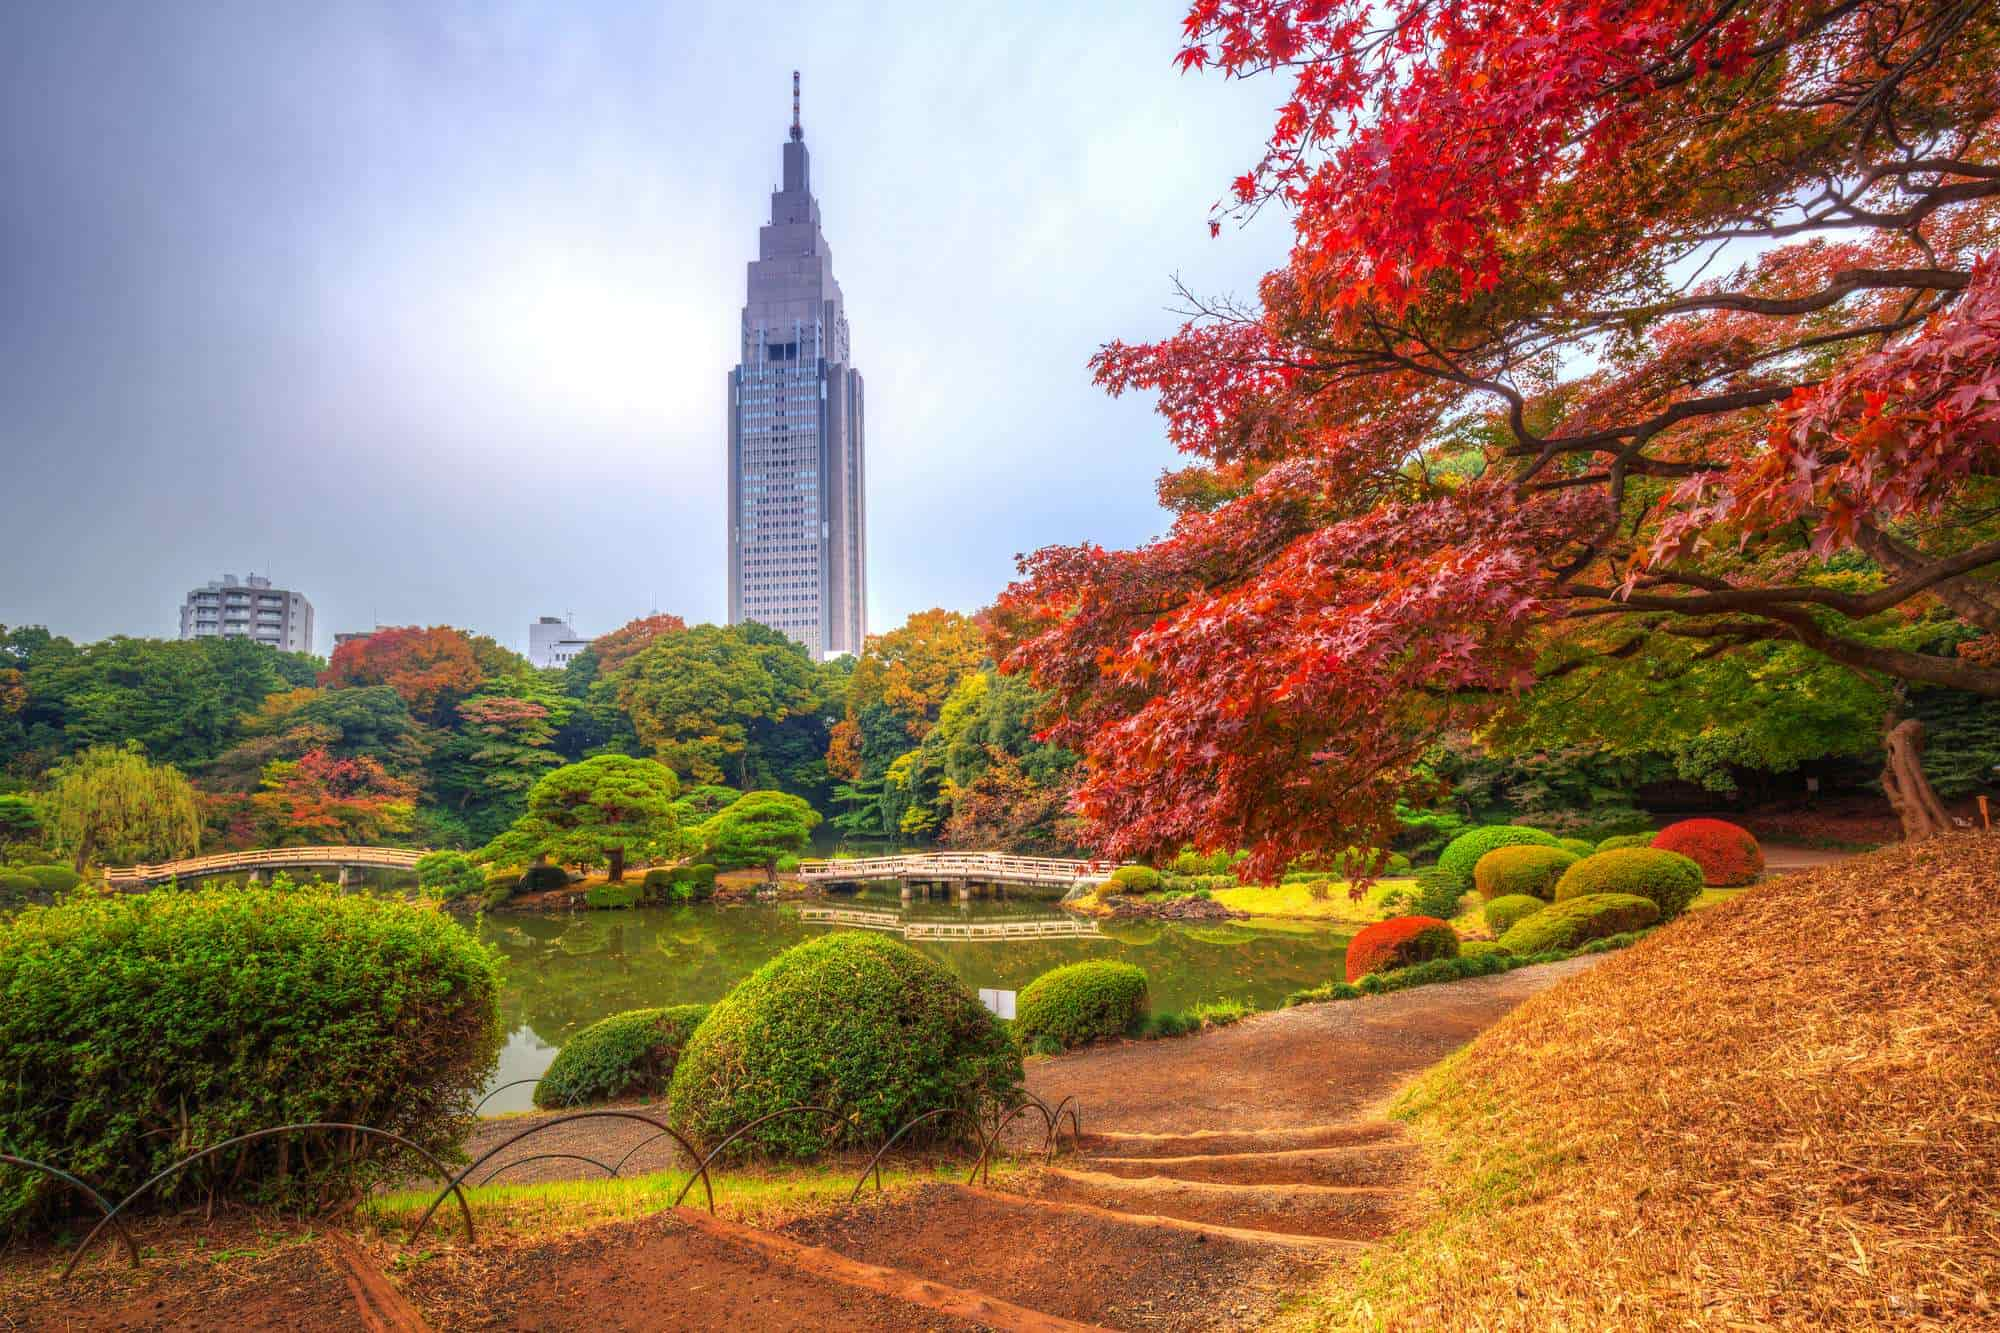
pixel 565 972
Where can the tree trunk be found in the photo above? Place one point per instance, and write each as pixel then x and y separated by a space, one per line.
pixel 618 865
pixel 1903 780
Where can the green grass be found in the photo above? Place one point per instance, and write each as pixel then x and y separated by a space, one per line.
pixel 1293 901
pixel 543 1207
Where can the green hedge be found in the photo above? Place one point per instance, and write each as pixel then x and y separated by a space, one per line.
pixel 1472 962
pixel 1574 921
pixel 679 884
pixel 134 1027
pixel 612 896
pixel 1459 858
pixel 1527 868
pixel 856 1023
pixel 1079 1003
pixel 1504 911
pixel 1670 880
pixel 632 1054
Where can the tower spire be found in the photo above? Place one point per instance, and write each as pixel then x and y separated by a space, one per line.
pixel 797 132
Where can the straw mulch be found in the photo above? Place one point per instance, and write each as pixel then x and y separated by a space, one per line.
pixel 1783 1111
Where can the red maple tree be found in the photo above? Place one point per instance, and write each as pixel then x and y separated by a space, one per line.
pixel 432 669
pixel 1603 322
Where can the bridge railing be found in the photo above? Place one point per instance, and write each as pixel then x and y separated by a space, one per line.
pixel 956 865
pixel 271 858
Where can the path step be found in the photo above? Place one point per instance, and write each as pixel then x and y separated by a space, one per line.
pixel 820 1261
pixel 1086 1263
pixel 1133 1144
pixel 1300 1210
pixel 1355 1164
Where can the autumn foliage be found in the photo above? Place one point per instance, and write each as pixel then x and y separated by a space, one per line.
pixel 1604 326
pixel 1727 854
pixel 1398 942
pixel 430 668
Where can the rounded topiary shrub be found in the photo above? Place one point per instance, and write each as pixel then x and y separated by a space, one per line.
pixel 1484 948
pixel 1398 942
pixel 860 1024
pixel 136 1027
pixel 1504 911
pixel 1573 921
pixel 1580 846
pixel 1525 868
pixel 1671 880
pixel 1080 1003
pixel 1462 854
pixel 1727 854
pixel 1133 879
pixel 632 1054
pixel 1618 842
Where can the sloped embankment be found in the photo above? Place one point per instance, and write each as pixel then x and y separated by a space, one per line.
pixel 1782 1111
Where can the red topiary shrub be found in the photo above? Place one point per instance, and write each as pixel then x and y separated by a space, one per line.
pixel 1728 855
pixel 1398 942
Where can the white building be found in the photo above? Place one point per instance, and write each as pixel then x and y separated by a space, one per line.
pixel 250 609
pixel 552 642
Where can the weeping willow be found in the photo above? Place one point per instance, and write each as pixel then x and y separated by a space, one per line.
pixel 113 806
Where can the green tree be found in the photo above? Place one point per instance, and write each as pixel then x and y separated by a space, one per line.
pixel 19 820
pixel 110 803
pixel 604 811
pixel 759 828
pixel 696 698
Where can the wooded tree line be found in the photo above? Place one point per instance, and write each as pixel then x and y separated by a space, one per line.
pixel 436 736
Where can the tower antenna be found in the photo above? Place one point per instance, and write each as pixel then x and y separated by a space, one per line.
pixel 797 132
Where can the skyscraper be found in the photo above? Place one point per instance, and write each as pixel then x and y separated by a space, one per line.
pixel 798 527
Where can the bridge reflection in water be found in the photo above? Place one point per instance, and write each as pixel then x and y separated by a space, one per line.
pixel 919 928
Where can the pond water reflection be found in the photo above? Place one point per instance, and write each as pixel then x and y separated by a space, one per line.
pixel 565 972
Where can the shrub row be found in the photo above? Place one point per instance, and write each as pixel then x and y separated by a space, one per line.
pixel 1574 921
pixel 1479 962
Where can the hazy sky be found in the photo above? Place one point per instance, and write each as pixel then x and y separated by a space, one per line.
pixel 426 309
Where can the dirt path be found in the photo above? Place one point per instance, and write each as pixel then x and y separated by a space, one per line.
pixel 1286 1070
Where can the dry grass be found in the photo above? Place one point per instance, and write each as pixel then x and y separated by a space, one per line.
pixel 1782 1111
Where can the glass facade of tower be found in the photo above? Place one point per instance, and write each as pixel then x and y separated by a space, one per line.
pixel 797 508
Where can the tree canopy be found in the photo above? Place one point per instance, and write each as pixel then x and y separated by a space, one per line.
pixel 605 811
pixel 758 828
pixel 1602 325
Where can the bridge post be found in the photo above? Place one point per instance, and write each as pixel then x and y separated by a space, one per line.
pixel 259 875
pixel 964 890
pixel 344 875
pixel 904 885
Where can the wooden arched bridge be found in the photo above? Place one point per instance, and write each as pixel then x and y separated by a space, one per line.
pixel 964 871
pixel 263 862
